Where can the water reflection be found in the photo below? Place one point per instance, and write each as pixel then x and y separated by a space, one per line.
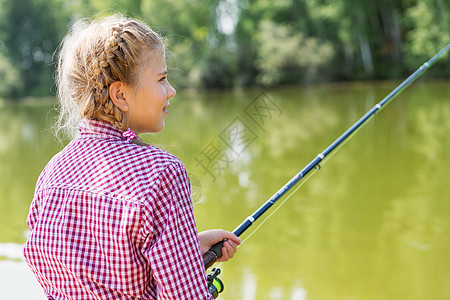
pixel 372 224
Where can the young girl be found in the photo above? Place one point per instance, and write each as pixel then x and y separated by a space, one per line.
pixel 112 217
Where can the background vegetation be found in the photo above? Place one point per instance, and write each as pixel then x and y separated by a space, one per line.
pixel 226 43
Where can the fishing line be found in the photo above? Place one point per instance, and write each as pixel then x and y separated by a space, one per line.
pixel 277 208
pixel 317 168
pixel 342 144
pixel 302 182
pixel 363 125
pixel 301 177
pixel 306 179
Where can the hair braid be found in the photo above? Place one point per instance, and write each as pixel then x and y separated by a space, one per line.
pixel 102 77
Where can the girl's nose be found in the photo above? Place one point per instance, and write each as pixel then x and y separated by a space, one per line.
pixel 171 91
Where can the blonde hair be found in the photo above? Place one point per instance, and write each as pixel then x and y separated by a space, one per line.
pixel 94 54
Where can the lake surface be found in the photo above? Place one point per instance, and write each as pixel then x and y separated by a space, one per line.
pixel 372 223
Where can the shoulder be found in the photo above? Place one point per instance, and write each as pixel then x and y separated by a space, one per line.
pixel 171 169
pixel 157 165
pixel 155 155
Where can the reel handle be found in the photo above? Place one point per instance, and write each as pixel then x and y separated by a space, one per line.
pixel 213 254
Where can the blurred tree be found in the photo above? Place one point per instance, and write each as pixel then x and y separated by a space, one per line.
pixel 9 73
pixel 197 52
pixel 30 33
pixel 224 43
pixel 287 56
pixel 9 77
pixel 427 27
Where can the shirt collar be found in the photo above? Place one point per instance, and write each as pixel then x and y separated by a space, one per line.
pixel 99 129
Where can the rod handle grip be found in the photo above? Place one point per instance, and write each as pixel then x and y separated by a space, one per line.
pixel 213 254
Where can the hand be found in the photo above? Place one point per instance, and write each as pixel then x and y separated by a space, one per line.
pixel 210 237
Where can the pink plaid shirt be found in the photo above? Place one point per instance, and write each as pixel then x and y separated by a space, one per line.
pixel 114 220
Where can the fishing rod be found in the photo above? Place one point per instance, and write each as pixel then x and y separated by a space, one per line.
pixel 211 256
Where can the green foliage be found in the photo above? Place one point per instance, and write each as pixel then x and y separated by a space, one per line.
pixel 30 32
pixel 428 22
pixel 287 56
pixel 9 77
pixel 224 43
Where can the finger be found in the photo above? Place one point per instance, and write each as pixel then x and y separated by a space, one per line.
pixel 231 236
pixel 225 255
pixel 227 252
pixel 229 249
pixel 233 246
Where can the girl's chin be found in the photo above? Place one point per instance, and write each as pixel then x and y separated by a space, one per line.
pixel 160 127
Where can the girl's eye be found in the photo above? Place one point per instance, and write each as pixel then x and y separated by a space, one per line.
pixel 164 78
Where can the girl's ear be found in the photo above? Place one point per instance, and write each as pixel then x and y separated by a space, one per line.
pixel 117 93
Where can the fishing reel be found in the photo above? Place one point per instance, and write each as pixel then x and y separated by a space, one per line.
pixel 215 285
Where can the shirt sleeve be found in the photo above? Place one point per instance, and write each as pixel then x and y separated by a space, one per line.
pixel 33 212
pixel 174 255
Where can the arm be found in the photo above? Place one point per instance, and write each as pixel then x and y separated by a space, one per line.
pixel 174 254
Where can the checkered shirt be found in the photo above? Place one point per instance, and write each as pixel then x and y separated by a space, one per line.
pixel 114 220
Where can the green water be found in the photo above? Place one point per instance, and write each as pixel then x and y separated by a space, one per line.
pixel 373 223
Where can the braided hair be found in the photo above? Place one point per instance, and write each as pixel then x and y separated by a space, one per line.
pixel 94 54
